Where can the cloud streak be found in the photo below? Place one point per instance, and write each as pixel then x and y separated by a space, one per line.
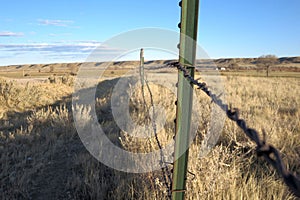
pixel 58 22
pixel 77 51
pixel 10 34
pixel 57 35
pixel 57 47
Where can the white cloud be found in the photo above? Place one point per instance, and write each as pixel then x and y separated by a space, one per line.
pixel 58 35
pixel 55 22
pixel 56 47
pixel 71 51
pixel 10 34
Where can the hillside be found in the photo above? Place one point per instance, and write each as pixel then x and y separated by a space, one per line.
pixel 291 64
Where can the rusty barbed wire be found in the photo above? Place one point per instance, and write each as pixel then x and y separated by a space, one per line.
pixel 269 152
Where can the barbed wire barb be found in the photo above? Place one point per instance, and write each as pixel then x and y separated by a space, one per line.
pixel 263 149
pixel 165 169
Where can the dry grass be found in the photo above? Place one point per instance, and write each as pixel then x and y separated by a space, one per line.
pixel 43 158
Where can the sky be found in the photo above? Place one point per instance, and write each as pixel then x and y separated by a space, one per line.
pixel 35 31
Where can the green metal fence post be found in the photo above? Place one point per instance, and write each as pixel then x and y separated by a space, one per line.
pixel 187 53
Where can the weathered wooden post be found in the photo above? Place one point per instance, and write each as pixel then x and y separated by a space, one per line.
pixel 142 66
pixel 187 54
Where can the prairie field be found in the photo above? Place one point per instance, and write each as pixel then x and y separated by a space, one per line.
pixel 42 156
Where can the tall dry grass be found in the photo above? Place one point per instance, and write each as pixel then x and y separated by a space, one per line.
pixel 42 156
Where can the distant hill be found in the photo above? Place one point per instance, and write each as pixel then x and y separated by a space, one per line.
pixel 285 63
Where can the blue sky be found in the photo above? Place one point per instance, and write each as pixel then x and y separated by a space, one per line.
pixel 54 31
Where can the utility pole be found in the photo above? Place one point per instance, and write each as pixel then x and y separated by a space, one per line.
pixel 187 54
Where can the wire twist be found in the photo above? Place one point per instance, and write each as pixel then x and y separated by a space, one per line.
pixel 165 170
pixel 269 152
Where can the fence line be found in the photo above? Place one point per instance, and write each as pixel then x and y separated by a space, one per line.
pixel 165 170
pixel 268 151
pixel 262 147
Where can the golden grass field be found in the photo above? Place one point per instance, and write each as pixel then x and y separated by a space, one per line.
pixel 42 157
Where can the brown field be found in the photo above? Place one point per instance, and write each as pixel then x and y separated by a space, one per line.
pixel 42 157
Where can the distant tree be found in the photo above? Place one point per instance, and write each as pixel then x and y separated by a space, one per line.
pixel 267 61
